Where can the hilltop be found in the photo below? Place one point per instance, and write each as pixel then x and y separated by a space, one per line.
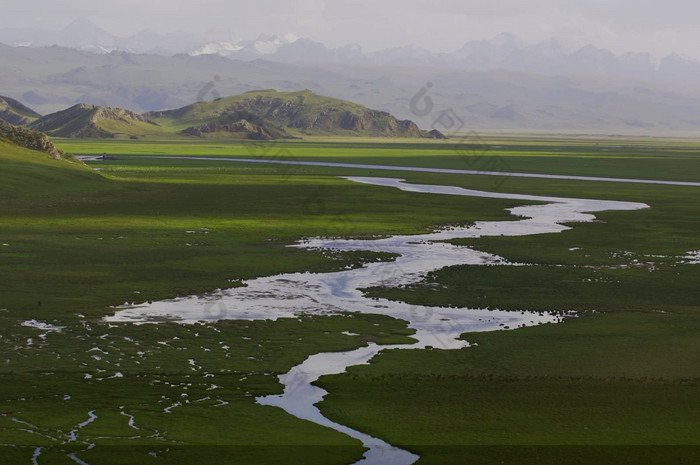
pixel 271 114
pixel 92 121
pixel 13 112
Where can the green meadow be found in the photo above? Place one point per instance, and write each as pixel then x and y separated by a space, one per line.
pixel 618 383
pixel 672 159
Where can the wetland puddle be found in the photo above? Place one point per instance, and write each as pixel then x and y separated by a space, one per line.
pixel 289 295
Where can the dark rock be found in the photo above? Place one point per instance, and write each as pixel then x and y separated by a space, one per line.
pixel 435 134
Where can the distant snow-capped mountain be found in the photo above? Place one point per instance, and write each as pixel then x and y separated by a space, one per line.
pixel 505 51
pixel 286 49
pixel 217 48
pixel 160 44
pixel 264 45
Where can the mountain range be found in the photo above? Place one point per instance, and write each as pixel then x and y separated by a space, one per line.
pixel 260 115
pixel 54 78
pixel 87 36
pixel 505 51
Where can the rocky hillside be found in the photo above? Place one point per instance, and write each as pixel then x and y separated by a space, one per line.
pixel 28 139
pixel 242 128
pixel 288 113
pixel 91 121
pixel 13 112
pixel 258 115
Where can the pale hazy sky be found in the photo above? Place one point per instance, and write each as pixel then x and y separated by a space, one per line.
pixel 438 25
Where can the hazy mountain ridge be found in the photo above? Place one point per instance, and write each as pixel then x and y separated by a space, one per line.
pixel 54 78
pixel 86 36
pixel 505 52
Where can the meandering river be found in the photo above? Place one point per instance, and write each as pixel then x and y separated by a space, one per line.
pixel 289 295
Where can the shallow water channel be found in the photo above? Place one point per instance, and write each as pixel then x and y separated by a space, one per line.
pixel 289 295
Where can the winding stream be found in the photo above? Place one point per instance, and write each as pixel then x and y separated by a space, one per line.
pixel 289 295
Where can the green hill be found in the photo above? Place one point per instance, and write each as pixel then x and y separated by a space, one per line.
pixel 260 115
pixel 28 139
pixel 91 121
pixel 32 170
pixel 284 114
pixel 13 112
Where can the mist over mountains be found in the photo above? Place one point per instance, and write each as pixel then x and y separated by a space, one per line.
pixel 498 84
pixel 504 52
pixel 87 36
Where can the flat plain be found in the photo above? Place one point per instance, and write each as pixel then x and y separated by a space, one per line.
pixel 618 383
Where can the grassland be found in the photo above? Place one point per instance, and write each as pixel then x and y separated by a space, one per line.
pixel 672 159
pixel 616 385
pixel 79 242
pixel 165 228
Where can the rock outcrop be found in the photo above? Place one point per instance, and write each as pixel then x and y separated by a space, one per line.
pixel 241 127
pixel 26 138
